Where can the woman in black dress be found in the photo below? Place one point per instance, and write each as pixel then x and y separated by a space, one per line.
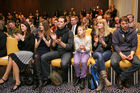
pixel 42 46
pixel 19 60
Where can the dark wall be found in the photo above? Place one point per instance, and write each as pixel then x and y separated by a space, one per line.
pixel 27 6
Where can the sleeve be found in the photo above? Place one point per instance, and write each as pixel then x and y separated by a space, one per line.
pixel 109 42
pixel 3 40
pixel 69 45
pixel 92 37
pixel 134 42
pixel 88 44
pixel 52 46
pixel 20 45
pixel 115 42
pixel 76 44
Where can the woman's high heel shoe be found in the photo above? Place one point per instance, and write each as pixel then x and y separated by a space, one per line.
pixel 4 81
pixel 17 87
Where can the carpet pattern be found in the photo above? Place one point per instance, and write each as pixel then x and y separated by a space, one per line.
pixel 65 88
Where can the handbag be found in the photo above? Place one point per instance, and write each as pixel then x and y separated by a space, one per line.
pixel 93 78
pixel 26 76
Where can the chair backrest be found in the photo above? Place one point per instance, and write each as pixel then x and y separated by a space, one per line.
pixel 138 47
pixel 112 30
pixel 12 45
pixel 88 31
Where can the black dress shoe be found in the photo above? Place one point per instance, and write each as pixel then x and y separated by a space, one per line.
pixel 119 83
pixel 126 84
pixel 35 86
pixel 77 81
pixel 82 85
pixel 4 81
pixel 45 83
pixel 18 86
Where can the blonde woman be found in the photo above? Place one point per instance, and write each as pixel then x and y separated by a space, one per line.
pixel 82 54
pixel 101 46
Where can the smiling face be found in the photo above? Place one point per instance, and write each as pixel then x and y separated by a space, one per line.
pixel 74 21
pixel 130 17
pixel 81 31
pixel 41 26
pixel 23 28
pixel 100 25
pixel 61 23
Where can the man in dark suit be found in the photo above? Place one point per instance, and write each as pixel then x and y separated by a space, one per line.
pixel 74 24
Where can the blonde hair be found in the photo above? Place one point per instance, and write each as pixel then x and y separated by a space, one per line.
pixel 84 29
pixel 106 27
pixel 85 22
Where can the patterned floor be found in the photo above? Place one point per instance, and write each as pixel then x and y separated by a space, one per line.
pixel 65 88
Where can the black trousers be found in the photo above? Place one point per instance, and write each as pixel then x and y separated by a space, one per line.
pixel 65 61
pixel 115 60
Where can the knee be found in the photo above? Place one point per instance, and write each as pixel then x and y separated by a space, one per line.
pixel 64 65
pixel 43 58
pixel 14 64
pixel 98 55
pixel 114 63
pixel 76 63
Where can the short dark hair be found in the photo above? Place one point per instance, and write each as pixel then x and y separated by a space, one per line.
pixel 124 18
pixel 65 20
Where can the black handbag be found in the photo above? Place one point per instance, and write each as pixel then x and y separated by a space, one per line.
pixel 26 76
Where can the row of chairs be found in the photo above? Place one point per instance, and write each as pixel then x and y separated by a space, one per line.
pixel 12 48
pixel 123 64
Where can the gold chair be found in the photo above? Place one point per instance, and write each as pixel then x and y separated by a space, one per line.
pixel 56 63
pixel 12 47
pixel 112 30
pixel 125 63
pixel 72 63
pixel 88 31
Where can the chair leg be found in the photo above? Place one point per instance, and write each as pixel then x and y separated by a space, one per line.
pixel 71 73
pixel 50 68
pixel 68 74
pixel 137 77
pixel 112 76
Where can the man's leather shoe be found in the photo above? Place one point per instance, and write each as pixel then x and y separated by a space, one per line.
pixel 119 83
pixel 77 81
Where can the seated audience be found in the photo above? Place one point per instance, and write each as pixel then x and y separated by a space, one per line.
pixel 30 22
pixel 101 46
pixel 12 29
pixel 85 22
pixel 3 39
pixel 42 45
pixel 133 24
pixel 62 43
pixel 124 41
pixel 82 53
pixel 18 61
pixel 74 24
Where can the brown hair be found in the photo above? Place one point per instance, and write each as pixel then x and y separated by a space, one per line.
pixel 46 28
pixel 124 18
pixel 65 20
pixel 28 31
